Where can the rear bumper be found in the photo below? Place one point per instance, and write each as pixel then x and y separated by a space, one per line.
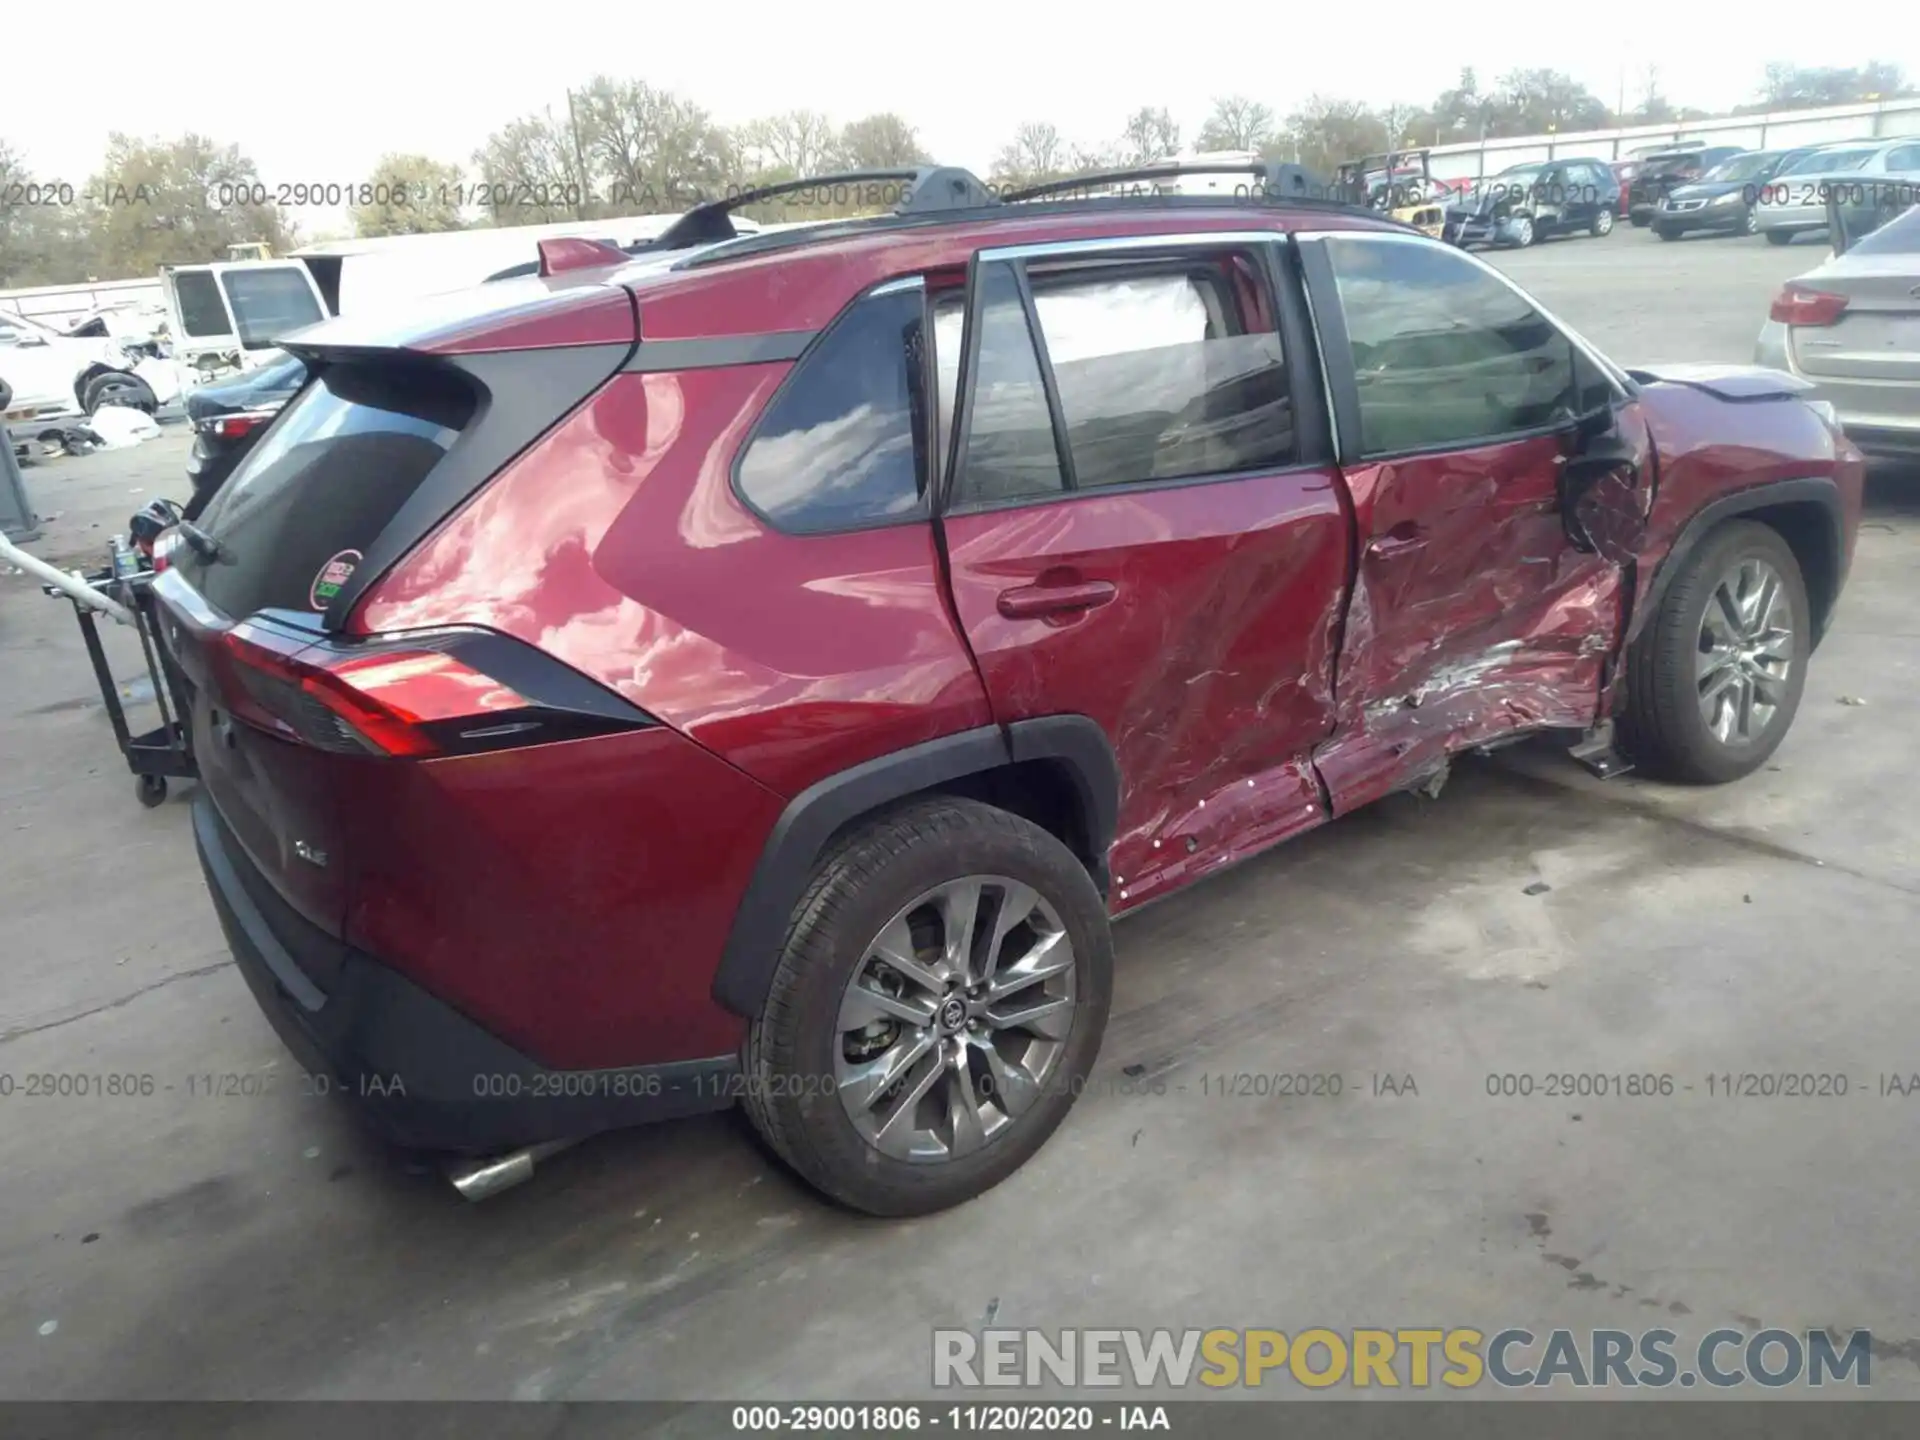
pixel 419 1072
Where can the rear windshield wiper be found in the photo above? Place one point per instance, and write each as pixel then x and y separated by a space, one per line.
pixel 204 545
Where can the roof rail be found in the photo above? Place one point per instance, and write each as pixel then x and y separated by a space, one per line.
pixel 1278 180
pixel 928 188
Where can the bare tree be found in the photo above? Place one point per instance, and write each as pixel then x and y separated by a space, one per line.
pixel 1324 132
pixel 534 172
pixel 1035 153
pixel 409 195
pixel 650 149
pixel 791 146
pixel 1149 135
pixel 176 202
pixel 880 142
pixel 1236 123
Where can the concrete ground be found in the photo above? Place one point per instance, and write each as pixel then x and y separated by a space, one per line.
pixel 1529 921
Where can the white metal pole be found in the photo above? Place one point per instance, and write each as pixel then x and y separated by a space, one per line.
pixel 71 585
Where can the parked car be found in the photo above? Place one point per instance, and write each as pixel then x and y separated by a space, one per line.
pixel 229 416
pixel 1525 203
pixel 1851 325
pixel 780 707
pixel 1795 202
pixel 1666 170
pixel 58 378
pixel 1726 198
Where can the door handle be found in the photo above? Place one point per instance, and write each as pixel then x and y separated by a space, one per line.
pixel 1029 602
pixel 1400 540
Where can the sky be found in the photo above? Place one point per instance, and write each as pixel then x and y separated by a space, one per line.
pixel 316 93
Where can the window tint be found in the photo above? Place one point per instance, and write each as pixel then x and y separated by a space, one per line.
pixel 1443 352
pixel 1904 157
pixel 201 312
pixel 1161 376
pixel 842 443
pixel 325 480
pixel 1899 236
pixel 1010 452
pixel 270 303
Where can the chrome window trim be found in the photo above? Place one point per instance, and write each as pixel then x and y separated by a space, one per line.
pixel 1622 384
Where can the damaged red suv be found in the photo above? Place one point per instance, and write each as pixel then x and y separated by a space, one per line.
pixel 762 668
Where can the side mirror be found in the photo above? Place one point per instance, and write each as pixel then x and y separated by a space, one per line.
pixel 1603 506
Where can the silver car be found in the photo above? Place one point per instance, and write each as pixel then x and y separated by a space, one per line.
pixel 1794 202
pixel 1852 327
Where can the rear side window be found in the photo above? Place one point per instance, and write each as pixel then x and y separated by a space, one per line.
pixel 201 312
pixel 1445 354
pixel 843 442
pixel 310 499
pixel 270 303
pixel 1899 236
pixel 1162 371
pixel 1904 157
pixel 1161 376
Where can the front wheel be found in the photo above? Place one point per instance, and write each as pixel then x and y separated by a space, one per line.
pixel 1666 232
pixel 1522 232
pixel 1779 237
pixel 1602 223
pixel 1750 221
pixel 1713 681
pixel 938 1003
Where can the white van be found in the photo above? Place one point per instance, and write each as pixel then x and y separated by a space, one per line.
pixel 227 316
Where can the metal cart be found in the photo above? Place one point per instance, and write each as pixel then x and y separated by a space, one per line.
pixel 124 591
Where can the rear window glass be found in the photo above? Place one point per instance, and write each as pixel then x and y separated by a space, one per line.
pixel 201 312
pixel 842 443
pixel 323 483
pixel 1821 161
pixel 270 303
pixel 1743 167
pixel 1899 236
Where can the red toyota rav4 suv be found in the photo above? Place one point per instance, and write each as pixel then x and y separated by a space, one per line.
pixel 761 668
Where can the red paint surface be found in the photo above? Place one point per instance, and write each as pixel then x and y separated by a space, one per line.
pixel 1210 670
pixel 571 898
pixel 1471 616
pixel 618 546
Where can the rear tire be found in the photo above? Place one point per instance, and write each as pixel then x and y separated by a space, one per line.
pixel 1749 221
pixel 978 1118
pixel 1779 237
pixel 1602 224
pixel 1712 684
pixel 118 388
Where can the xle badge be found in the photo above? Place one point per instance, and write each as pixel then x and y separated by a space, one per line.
pixel 335 573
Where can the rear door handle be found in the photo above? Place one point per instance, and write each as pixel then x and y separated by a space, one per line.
pixel 1400 540
pixel 1028 602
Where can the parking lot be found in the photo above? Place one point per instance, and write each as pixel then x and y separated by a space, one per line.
pixel 1530 920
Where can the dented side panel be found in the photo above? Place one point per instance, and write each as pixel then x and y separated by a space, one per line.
pixel 1210 669
pixel 1471 615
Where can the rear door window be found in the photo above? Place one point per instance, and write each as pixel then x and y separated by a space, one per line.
pixel 310 499
pixel 270 303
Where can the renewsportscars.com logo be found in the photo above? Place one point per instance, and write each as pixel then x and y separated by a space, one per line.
pixel 1415 1359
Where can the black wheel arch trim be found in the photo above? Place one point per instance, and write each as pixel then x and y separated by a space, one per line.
pixel 1819 490
pixel 812 818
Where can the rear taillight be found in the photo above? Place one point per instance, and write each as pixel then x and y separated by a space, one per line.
pixel 1799 305
pixel 232 427
pixel 411 697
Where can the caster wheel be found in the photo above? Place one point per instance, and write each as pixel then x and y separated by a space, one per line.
pixel 151 790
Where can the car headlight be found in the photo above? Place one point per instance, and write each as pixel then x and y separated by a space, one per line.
pixel 1732 197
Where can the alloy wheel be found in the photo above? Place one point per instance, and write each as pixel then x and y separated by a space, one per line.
pixel 1603 223
pixel 955 1019
pixel 1745 652
pixel 1523 232
pixel 1750 222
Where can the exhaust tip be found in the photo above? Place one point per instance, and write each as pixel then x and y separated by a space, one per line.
pixel 487 1176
